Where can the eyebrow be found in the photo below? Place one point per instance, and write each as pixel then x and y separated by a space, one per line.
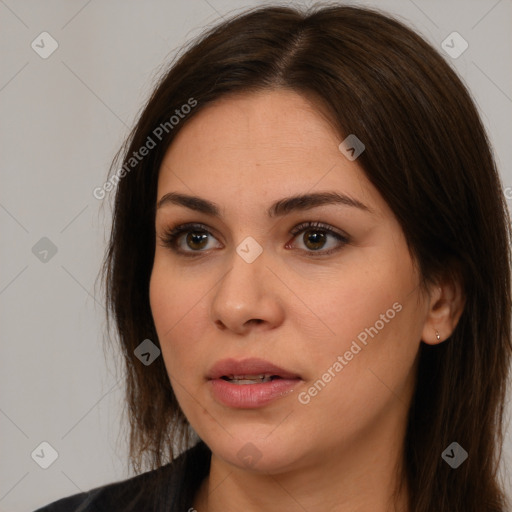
pixel 279 208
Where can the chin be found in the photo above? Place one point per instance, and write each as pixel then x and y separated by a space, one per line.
pixel 270 454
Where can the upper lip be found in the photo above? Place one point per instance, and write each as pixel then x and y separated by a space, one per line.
pixel 251 366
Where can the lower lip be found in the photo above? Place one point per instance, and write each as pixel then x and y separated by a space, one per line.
pixel 251 396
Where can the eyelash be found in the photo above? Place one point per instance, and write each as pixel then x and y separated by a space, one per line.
pixel 171 235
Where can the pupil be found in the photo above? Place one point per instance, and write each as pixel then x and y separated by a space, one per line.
pixel 314 239
pixel 196 240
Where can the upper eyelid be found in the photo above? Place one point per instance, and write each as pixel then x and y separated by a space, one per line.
pixel 189 226
pixel 321 226
pixel 301 226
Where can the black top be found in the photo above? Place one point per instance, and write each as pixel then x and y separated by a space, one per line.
pixel 167 489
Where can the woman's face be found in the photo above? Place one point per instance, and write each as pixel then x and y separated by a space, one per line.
pixel 318 295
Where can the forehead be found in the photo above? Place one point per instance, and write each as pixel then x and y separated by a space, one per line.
pixel 263 144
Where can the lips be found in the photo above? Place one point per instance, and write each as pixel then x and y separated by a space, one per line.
pixel 250 369
pixel 250 383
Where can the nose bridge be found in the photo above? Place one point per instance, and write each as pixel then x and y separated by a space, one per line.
pixel 245 292
pixel 246 276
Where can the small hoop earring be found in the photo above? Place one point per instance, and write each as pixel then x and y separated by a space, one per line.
pixel 437 335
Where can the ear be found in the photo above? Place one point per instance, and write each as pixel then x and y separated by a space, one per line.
pixel 446 303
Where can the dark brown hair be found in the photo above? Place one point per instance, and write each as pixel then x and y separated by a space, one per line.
pixel 428 155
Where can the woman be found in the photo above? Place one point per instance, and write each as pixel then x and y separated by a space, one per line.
pixel 309 270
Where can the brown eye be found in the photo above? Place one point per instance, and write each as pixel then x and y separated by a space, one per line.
pixel 318 238
pixel 314 239
pixel 196 240
pixel 189 239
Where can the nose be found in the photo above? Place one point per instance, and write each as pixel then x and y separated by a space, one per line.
pixel 248 297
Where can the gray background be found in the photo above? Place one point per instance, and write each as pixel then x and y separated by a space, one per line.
pixel 62 120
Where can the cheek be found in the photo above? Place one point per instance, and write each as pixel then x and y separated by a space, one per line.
pixel 356 298
pixel 178 309
pixel 370 317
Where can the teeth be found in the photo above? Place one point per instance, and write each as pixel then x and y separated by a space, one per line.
pixel 249 379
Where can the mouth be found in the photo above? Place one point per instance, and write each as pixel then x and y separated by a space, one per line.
pixel 250 379
pixel 249 371
pixel 250 383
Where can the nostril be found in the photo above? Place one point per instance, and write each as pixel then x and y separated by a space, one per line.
pixel 220 324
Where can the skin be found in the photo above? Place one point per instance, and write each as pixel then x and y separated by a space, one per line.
pixel 342 450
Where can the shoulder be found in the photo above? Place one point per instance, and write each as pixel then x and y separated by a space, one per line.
pixel 170 487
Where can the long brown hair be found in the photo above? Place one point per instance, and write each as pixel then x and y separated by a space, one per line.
pixel 428 155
